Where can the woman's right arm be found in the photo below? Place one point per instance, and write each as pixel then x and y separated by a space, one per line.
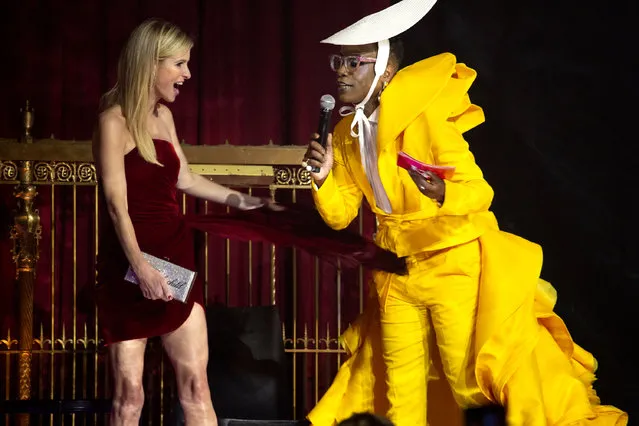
pixel 109 149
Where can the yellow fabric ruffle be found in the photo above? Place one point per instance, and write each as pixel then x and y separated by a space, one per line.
pixel 526 358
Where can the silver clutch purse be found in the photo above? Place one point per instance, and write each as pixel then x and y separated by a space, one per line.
pixel 179 279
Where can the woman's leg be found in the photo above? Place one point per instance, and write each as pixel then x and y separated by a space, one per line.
pixel 188 349
pixel 127 365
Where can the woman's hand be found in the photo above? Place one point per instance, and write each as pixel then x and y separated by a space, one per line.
pixel 249 202
pixel 430 185
pixel 272 205
pixel 152 283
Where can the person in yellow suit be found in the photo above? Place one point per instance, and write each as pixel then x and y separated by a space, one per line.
pixel 471 324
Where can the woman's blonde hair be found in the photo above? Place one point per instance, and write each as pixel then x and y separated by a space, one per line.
pixel 151 42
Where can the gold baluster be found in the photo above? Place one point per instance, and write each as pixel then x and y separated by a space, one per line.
pixel 273 300
pixel 25 234
pixel 316 325
pixel 206 259
pixel 294 315
pixel 250 264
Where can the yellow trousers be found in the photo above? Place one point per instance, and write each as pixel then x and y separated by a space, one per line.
pixel 469 325
pixel 435 302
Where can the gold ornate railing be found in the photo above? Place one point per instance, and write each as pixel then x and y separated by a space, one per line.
pixel 57 351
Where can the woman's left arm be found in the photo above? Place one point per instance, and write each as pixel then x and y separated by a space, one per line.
pixel 198 186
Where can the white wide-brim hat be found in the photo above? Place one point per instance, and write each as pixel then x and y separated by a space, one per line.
pixel 382 25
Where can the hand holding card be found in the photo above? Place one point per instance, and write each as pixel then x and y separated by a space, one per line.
pixel 407 162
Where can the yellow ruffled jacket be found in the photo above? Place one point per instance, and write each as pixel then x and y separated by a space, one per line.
pixel 526 359
pixel 427 125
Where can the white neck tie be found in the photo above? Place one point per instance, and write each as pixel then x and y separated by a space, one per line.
pixel 369 153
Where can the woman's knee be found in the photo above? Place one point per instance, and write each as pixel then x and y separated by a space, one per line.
pixel 128 399
pixel 194 386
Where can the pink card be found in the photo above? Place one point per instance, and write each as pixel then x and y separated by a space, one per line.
pixel 407 162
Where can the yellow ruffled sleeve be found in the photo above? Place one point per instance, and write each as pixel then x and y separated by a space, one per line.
pixel 467 191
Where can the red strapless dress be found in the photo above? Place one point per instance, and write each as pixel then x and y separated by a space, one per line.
pixel 162 231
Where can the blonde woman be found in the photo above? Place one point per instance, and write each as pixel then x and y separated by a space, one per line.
pixel 141 167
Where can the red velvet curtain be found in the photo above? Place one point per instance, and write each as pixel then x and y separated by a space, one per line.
pixel 258 73
pixel 258 67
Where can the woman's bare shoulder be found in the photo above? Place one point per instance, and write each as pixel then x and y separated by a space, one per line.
pixel 112 130
pixel 112 117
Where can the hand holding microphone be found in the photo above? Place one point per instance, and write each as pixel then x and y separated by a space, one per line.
pixel 318 159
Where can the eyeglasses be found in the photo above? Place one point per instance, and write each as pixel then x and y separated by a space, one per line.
pixel 350 62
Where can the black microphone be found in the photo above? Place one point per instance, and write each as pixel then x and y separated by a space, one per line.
pixel 327 103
